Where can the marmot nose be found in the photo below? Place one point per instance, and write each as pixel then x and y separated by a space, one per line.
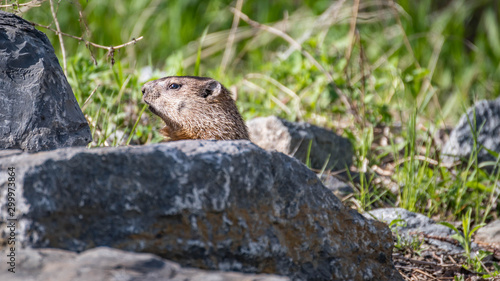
pixel 146 88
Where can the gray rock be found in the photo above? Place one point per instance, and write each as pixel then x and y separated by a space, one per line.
pixel 338 187
pixel 487 126
pixel 489 234
pixel 293 139
pixel 225 205
pixel 416 224
pixel 107 264
pixel 38 109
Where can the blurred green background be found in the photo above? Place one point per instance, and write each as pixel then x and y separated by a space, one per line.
pixel 386 74
pixel 438 55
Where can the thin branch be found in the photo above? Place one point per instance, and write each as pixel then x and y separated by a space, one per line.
pixel 420 158
pixel 61 41
pixel 109 48
pixel 34 3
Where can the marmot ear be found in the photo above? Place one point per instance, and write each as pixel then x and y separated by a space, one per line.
pixel 213 89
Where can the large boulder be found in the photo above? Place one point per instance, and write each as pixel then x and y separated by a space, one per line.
pixel 223 205
pixel 486 127
pixel 294 139
pixel 38 109
pixel 107 264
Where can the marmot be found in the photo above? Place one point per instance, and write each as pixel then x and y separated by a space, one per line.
pixel 194 108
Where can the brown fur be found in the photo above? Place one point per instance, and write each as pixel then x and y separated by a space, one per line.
pixel 201 108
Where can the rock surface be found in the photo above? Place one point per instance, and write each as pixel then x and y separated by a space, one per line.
pixel 107 264
pixel 416 224
pixel 489 233
pixel 293 139
pixel 227 206
pixel 338 187
pixel 38 109
pixel 461 142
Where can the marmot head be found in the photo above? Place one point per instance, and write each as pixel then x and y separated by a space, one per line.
pixel 194 108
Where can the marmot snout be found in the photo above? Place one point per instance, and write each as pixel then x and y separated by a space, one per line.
pixel 194 108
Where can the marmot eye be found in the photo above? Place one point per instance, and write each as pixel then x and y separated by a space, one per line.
pixel 174 86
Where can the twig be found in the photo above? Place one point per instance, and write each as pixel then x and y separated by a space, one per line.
pixel 34 3
pixel 382 172
pixel 484 267
pixel 417 157
pixel 61 41
pixel 425 273
pixel 230 39
pixel 295 45
pixel 109 48
pixel 404 275
pixel 419 261
pixel 453 260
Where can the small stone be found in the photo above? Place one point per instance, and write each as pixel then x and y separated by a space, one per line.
pixel 487 126
pixel 489 233
pixel 338 187
pixel 414 224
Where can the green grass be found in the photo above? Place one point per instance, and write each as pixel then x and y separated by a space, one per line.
pixel 413 68
pixel 474 262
